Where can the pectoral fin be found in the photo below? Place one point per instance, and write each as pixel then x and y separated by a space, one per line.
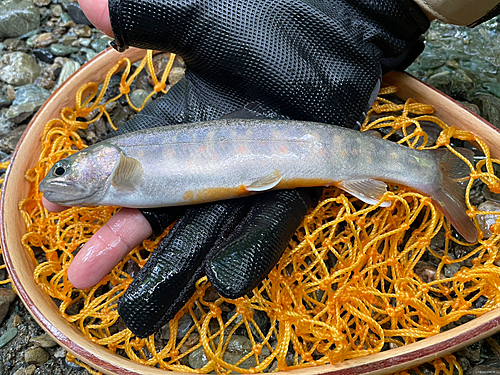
pixel 266 182
pixel 128 173
pixel 369 191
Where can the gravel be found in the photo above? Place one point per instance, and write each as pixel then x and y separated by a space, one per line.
pixel 43 42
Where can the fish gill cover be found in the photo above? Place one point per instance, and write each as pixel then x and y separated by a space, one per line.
pixel 355 279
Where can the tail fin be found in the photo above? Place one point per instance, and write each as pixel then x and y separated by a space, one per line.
pixel 449 197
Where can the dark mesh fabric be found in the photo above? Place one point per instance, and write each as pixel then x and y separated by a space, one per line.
pixel 167 280
pixel 317 60
pixel 309 59
pixel 255 246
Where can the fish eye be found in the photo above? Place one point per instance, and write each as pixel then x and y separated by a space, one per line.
pixel 59 171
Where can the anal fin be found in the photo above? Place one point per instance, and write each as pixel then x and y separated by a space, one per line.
pixel 368 190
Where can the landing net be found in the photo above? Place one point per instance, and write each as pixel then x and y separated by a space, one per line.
pixel 354 280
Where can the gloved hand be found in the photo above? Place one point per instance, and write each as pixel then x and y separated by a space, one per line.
pixel 307 60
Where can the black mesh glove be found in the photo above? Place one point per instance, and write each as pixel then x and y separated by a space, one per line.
pixel 309 60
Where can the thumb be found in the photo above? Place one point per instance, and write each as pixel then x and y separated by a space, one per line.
pixel 97 12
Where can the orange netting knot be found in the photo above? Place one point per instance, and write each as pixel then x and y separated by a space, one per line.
pixel 159 86
pixel 124 89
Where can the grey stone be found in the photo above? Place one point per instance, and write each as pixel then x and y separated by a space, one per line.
pixel 82 31
pixel 138 97
pixel 4 100
pixel 7 296
pixel 486 221
pixel 30 93
pixel 45 341
pixel 67 70
pixel 37 356
pixel 89 53
pixel 19 113
pixel 8 336
pixel 77 15
pixel 17 17
pixel 18 68
pixel 99 45
pixel 30 370
pixel 175 75
pixel 485 370
pixel 9 142
pixel 62 50
pixel 57 11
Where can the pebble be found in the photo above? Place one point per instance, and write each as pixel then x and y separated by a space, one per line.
pixel 238 347
pixel 45 341
pixel 9 142
pixel 68 69
pixel 7 296
pixel 18 68
pixel 100 44
pixel 36 355
pixel 30 370
pixel 7 336
pixel 485 370
pixel 486 221
pixel 17 17
pixel 42 40
pixel 61 50
pixel 4 100
pixel 30 93
pixel 44 54
pixel 138 96
pixel 77 15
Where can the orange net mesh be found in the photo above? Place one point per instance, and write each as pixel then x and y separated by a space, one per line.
pixel 347 286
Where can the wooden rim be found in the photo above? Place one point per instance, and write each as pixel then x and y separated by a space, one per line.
pixel 45 312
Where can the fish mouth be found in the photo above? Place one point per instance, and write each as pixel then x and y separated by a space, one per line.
pixel 51 191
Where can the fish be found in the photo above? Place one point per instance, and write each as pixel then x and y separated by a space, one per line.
pixel 227 158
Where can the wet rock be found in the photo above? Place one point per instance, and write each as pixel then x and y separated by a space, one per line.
pixel 138 97
pixel 100 44
pixel 17 17
pixel 45 341
pixel 486 221
pixel 7 296
pixel 9 142
pixel 29 94
pixel 41 3
pixel 489 106
pixel 43 40
pixel 30 370
pixel 77 15
pixel 18 113
pixel 44 54
pixel 8 336
pixel 472 352
pixel 57 11
pixel 37 356
pixel 68 69
pixel 82 30
pixel 4 100
pixel 61 50
pixel 426 271
pixel 89 53
pixel 485 370
pixel 18 68
pixel 15 45
pixel 176 75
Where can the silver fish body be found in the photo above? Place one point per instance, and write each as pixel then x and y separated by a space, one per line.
pixel 228 158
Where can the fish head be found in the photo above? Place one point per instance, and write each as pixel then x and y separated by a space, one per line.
pixel 81 179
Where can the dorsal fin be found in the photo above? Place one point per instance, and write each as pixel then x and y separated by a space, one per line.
pixel 128 173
